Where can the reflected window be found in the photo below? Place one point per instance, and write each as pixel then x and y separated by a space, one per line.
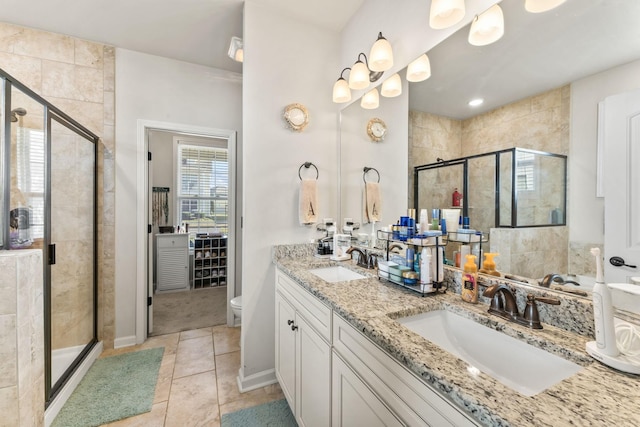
pixel 525 171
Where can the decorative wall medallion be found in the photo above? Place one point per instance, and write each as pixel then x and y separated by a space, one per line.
pixel 296 116
pixel 376 129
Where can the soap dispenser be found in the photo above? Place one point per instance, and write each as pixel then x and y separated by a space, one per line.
pixel 489 265
pixel 469 291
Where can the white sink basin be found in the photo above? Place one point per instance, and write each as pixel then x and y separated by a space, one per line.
pixel 336 274
pixel 520 366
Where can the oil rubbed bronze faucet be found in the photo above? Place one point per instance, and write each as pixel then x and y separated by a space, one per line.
pixel 365 259
pixel 503 304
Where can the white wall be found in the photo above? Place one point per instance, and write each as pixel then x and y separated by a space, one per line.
pixel 586 211
pixel 286 61
pixel 158 89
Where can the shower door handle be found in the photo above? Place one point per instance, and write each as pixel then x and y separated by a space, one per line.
pixel 52 254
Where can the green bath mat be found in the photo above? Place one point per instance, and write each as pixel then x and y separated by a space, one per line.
pixel 114 388
pixel 273 414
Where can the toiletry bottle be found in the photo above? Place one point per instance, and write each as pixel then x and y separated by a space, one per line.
pixel 410 255
pixel 456 197
pixel 469 291
pixel 416 263
pixel 425 273
pixel 489 265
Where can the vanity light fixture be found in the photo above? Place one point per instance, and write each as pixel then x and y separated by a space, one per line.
pixel 381 55
pixel 446 13
pixel 236 49
pixel 539 6
pixel 392 86
pixel 488 27
pixel 363 73
pixel 341 91
pixel 370 100
pixel 420 69
pixel 476 102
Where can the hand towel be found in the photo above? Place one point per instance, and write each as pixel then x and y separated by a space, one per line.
pixel 373 202
pixel 308 209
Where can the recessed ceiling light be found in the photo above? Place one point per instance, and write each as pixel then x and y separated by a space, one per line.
pixel 476 102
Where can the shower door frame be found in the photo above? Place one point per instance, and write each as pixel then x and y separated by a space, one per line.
pixel 50 113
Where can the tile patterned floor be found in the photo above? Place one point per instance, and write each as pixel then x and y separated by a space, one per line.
pixel 197 380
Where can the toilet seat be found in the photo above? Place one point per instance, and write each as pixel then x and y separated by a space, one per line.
pixel 236 302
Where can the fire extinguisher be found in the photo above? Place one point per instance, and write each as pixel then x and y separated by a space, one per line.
pixel 456 197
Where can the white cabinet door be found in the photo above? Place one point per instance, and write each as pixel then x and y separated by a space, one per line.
pixel 353 403
pixel 313 361
pixel 286 349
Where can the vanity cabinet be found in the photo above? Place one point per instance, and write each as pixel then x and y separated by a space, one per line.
pixel 407 399
pixel 333 375
pixel 303 352
pixel 173 262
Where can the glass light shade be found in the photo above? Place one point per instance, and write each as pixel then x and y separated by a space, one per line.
pixel 487 27
pixel 538 6
pixel 341 91
pixel 239 56
pixel 359 76
pixel 392 86
pixel 381 55
pixel 370 100
pixel 446 13
pixel 419 69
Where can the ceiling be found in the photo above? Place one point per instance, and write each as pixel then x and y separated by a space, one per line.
pixel 196 31
pixel 538 52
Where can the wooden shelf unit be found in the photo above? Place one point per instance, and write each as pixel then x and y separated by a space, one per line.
pixel 210 261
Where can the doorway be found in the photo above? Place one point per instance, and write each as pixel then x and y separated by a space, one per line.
pixel 145 306
pixel 189 187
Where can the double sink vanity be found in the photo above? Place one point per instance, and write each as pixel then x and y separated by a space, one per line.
pixel 355 350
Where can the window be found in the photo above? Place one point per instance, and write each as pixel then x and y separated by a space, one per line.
pixel 203 187
pixel 30 177
pixel 525 169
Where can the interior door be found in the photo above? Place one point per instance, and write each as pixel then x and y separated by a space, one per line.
pixel 149 245
pixel 621 186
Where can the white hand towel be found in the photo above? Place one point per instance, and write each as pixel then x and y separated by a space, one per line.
pixel 308 209
pixel 373 202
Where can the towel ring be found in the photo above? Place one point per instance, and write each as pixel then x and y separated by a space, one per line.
pixel 308 165
pixel 367 169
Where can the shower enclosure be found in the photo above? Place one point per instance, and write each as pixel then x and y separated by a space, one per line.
pixel 48 202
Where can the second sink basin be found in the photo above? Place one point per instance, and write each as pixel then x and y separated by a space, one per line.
pixel 336 273
pixel 520 366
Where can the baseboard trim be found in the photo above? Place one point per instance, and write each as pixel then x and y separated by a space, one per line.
pixel 124 341
pixel 257 380
pixel 54 407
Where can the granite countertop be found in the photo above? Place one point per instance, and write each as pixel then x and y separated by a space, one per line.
pixel 595 396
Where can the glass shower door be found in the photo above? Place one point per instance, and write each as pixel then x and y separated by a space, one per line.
pixel 71 247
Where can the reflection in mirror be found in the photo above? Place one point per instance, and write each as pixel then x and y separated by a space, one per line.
pixel 544 76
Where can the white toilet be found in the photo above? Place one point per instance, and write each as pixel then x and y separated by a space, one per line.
pixel 236 306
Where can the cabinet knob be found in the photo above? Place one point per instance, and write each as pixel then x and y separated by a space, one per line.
pixel 289 322
pixel 294 327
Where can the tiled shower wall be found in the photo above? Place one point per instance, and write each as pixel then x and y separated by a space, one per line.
pixel 540 122
pixel 78 77
pixel 21 338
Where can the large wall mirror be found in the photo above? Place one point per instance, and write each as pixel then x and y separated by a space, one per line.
pixel 527 82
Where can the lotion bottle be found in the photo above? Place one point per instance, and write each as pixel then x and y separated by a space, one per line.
pixel 469 291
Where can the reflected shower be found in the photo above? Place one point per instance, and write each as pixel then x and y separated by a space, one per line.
pixel 17 112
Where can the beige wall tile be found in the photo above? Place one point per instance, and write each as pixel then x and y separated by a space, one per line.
pixel 8 285
pixel 41 44
pixel 27 70
pixel 9 406
pixel 8 351
pixel 88 54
